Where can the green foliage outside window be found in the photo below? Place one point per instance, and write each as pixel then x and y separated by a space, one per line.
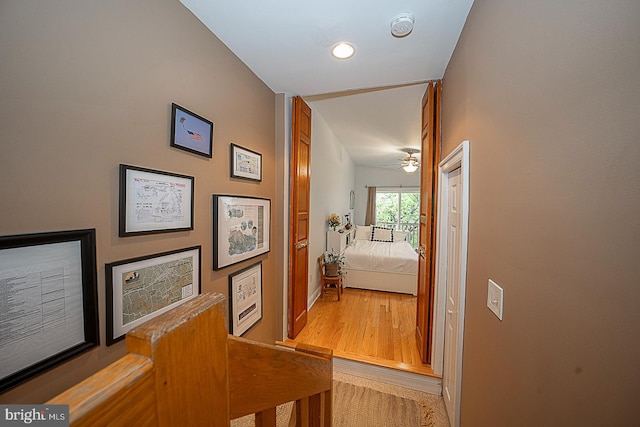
pixel 399 210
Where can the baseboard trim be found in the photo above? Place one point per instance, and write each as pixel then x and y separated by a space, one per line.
pixel 395 377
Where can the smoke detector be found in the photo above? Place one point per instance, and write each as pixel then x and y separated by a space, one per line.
pixel 402 24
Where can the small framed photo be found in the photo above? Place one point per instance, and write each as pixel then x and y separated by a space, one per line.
pixel 191 132
pixel 142 288
pixel 49 301
pixel 241 229
pixel 153 201
pixel 245 293
pixel 245 163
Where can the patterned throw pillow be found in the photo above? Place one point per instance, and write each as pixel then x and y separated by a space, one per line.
pixel 381 234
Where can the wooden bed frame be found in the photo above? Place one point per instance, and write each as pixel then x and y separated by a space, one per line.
pixel 381 281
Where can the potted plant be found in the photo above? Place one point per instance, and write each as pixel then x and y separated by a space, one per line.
pixel 333 263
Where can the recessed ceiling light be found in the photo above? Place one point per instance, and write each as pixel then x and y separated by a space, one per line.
pixel 343 50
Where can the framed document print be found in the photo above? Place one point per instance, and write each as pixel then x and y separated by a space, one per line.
pixel 142 288
pixel 245 164
pixel 153 201
pixel 245 293
pixel 191 132
pixel 241 228
pixel 49 299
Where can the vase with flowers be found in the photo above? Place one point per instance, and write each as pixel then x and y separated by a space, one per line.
pixel 334 221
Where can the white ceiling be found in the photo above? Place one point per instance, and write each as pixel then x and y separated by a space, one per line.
pixel 287 44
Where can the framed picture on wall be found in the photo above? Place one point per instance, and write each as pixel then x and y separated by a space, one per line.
pixel 241 229
pixel 153 201
pixel 142 288
pixel 245 293
pixel 245 163
pixel 191 132
pixel 49 299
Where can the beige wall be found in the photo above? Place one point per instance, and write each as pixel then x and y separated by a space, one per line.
pixel 548 93
pixel 86 86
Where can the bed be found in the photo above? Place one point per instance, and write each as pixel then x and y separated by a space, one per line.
pixel 381 261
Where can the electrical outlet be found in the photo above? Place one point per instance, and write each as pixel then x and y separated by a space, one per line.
pixel 495 298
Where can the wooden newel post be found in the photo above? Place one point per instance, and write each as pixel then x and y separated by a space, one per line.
pixel 188 347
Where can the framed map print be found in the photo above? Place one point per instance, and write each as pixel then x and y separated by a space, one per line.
pixel 241 228
pixel 154 201
pixel 140 289
pixel 245 294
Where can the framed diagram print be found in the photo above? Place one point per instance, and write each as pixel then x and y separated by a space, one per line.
pixel 245 293
pixel 49 299
pixel 153 201
pixel 245 163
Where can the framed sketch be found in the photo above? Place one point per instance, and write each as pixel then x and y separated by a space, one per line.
pixel 245 293
pixel 191 132
pixel 140 289
pixel 49 299
pixel 241 228
pixel 352 199
pixel 245 164
pixel 154 201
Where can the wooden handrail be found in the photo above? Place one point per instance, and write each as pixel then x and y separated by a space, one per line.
pixel 184 369
pixel 262 376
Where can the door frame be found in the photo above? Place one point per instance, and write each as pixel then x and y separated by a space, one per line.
pixel 458 158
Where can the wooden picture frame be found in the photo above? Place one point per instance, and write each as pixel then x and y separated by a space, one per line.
pixel 241 228
pixel 50 313
pixel 153 201
pixel 245 163
pixel 191 132
pixel 245 299
pixel 139 289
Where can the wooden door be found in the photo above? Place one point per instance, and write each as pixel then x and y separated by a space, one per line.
pixel 426 247
pixel 299 185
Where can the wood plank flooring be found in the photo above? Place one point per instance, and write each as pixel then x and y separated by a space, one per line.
pixel 367 326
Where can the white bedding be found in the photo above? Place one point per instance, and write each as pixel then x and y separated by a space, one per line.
pixel 394 257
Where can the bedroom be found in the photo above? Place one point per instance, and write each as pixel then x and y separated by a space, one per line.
pixel 391 117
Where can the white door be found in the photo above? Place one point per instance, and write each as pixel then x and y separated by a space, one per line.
pixel 452 317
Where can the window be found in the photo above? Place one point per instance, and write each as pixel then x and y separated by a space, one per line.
pixel 399 208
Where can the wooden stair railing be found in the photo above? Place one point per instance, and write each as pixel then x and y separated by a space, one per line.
pixel 183 369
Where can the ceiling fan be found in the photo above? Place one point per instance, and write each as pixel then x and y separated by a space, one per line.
pixel 410 163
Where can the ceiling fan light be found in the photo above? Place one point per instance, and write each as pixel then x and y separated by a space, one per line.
pixel 410 167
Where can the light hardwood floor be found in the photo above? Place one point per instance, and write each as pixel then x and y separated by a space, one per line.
pixel 367 326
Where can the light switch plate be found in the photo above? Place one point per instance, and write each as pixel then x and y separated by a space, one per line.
pixel 495 298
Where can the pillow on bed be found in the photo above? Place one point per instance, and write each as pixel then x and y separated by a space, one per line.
pixel 363 232
pixel 381 234
pixel 400 236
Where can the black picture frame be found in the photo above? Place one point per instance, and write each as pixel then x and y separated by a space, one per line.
pixel 153 201
pixel 138 273
pixel 191 132
pixel 244 163
pixel 245 299
pixel 241 229
pixel 52 306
